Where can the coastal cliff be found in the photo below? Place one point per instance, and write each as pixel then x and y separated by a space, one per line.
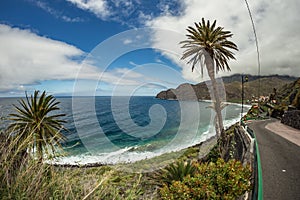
pixel 186 91
pixel 232 85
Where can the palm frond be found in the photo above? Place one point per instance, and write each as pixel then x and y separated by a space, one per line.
pixel 205 37
pixel 177 171
pixel 35 122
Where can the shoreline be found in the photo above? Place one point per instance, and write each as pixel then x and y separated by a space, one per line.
pixel 208 101
pixel 202 144
pixel 86 161
pixel 204 148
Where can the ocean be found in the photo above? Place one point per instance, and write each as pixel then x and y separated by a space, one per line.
pixel 110 130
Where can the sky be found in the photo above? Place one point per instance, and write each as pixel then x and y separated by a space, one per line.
pixel 131 47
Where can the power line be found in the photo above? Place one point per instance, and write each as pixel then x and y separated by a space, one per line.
pixel 257 49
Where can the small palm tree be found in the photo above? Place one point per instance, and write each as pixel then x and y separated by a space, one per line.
pixel 210 44
pixel 34 125
pixel 177 172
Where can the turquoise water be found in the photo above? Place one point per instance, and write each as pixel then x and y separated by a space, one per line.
pixel 127 129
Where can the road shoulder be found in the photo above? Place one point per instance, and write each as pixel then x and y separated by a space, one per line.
pixel 287 132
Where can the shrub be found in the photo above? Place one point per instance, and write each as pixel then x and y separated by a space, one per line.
pixel 213 155
pixel 218 180
pixel 177 172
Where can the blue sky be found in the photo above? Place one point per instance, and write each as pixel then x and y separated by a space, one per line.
pixel 118 47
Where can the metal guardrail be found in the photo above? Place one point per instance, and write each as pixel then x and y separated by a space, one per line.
pixel 259 174
pixel 258 181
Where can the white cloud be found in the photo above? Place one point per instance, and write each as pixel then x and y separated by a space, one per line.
pixel 133 64
pixel 277 25
pixel 98 7
pixel 26 58
pixel 131 13
pixel 121 76
pixel 57 14
pixel 144 17
pixel 70 19
pixel 107 10
pixel 128 73
pixel 127 41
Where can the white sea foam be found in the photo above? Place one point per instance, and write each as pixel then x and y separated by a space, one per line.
pixel 124 155
pixel 132 154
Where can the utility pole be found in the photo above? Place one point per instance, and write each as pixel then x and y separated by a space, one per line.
pixel 244 79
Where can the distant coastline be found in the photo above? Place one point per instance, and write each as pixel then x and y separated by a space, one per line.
pixel 233 88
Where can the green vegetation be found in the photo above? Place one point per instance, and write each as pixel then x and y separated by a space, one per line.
pixel 34 129
pixel 289 94
pixel 285 98
pixel 233 87
pixel 211 43
pixel 25 176
pixel 256 112
pixel 177 171
pixel 34 132
pixel 219 180
pixel 42 181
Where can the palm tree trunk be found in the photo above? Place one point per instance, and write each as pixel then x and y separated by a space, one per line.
pixel 217 105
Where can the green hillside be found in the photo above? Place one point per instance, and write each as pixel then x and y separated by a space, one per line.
pixel 289 94
pixel 255 87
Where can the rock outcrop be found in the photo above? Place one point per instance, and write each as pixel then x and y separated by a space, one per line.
pixel 187 92
pixel 168 94
pixel 291 118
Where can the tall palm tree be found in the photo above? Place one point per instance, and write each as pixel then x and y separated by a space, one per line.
pixel 208 43
pixel 35 126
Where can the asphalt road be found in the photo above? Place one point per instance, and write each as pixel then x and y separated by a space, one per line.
pixel 280 160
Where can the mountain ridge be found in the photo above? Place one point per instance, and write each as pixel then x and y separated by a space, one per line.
pixel 232 85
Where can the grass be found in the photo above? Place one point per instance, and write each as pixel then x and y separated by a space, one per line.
pixel 42 181
pixel 139 180
pixel 33 180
